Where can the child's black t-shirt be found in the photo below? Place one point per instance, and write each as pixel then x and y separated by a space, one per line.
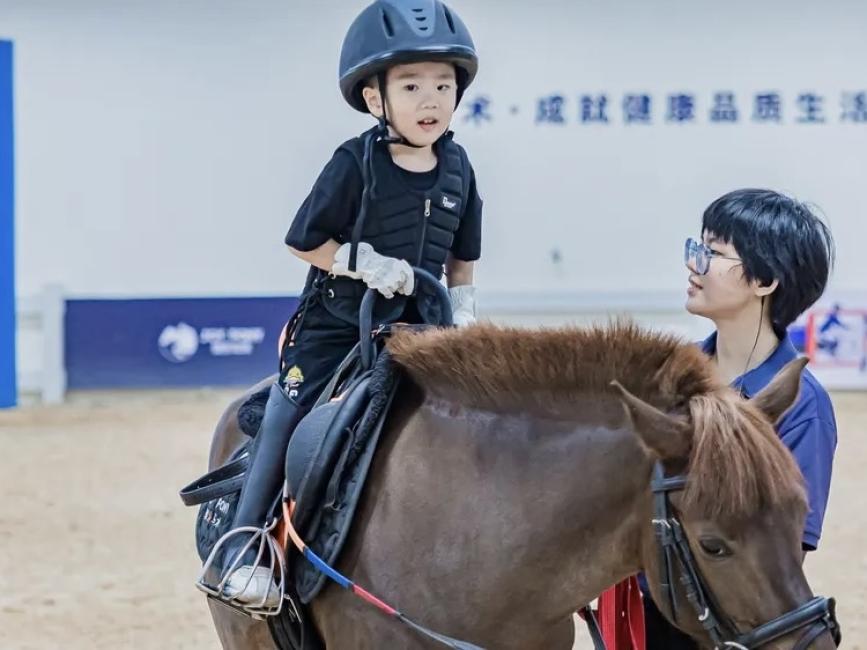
pixel 330 210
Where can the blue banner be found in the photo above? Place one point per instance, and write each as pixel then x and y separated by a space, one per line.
pixel 8 387
pixel 173 342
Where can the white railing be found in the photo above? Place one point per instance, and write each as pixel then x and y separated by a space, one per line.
pixel 40 362
pixel 660 310
pixel 40 332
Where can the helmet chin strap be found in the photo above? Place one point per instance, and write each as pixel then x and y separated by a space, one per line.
pixel 385 136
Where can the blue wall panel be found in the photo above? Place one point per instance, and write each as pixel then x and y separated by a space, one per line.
pixel 8 387
pixel 173 342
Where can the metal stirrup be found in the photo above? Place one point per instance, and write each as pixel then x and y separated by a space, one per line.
pixel 265 540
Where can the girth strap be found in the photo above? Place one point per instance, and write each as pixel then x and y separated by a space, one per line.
pixel 593 630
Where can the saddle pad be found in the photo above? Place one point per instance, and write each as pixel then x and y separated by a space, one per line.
pixel 317 442
pixel 331 521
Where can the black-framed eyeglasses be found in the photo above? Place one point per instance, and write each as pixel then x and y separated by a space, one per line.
pixel 700 255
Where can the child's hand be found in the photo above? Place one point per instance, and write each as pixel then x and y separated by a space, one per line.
pixel 463 301
pixel 388 275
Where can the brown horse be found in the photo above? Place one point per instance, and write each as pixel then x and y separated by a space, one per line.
pixel 512 486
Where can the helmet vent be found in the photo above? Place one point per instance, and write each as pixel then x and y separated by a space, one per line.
pixel 386 23
pixel 449 20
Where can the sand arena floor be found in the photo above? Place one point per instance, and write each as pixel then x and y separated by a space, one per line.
pixel 98 554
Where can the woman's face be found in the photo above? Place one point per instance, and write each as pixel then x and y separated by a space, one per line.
pixel 721 292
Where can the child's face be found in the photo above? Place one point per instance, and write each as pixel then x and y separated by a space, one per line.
pixel 421 100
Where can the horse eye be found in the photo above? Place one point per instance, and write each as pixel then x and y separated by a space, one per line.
pixel 714 547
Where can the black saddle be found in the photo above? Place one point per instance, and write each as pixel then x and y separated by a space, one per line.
pixel 327 461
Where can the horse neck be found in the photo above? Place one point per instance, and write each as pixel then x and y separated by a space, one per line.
pixel 569 497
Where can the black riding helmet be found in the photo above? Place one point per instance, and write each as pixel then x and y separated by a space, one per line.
pixel 389 33
pixel 392 32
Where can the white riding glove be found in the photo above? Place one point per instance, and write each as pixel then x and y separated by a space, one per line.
pixel 463 301
pixel 388 275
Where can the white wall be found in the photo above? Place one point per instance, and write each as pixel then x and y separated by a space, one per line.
pixel 163 146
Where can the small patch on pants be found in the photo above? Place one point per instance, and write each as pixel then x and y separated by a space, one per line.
pixel 293 379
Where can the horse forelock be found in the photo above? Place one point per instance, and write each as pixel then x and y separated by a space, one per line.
pixel 738 466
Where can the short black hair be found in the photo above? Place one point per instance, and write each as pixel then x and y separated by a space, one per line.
pixel 778 238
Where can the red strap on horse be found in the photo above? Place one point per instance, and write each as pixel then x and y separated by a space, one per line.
pixel 621 616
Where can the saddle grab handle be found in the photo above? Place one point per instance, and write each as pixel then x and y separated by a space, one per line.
pixel 365 314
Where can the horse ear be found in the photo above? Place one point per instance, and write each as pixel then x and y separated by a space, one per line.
pixel 777 397
pixel 669 437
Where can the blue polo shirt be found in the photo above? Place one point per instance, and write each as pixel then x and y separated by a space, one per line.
pixel 808 429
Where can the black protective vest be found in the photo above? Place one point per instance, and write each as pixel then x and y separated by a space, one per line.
pixel 406 223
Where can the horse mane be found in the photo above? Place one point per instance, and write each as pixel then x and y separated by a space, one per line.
pixel 508 369
pixel 737 465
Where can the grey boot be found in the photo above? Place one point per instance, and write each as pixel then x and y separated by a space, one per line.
pixel 248 556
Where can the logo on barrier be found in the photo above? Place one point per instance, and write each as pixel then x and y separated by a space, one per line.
pixel 178 343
